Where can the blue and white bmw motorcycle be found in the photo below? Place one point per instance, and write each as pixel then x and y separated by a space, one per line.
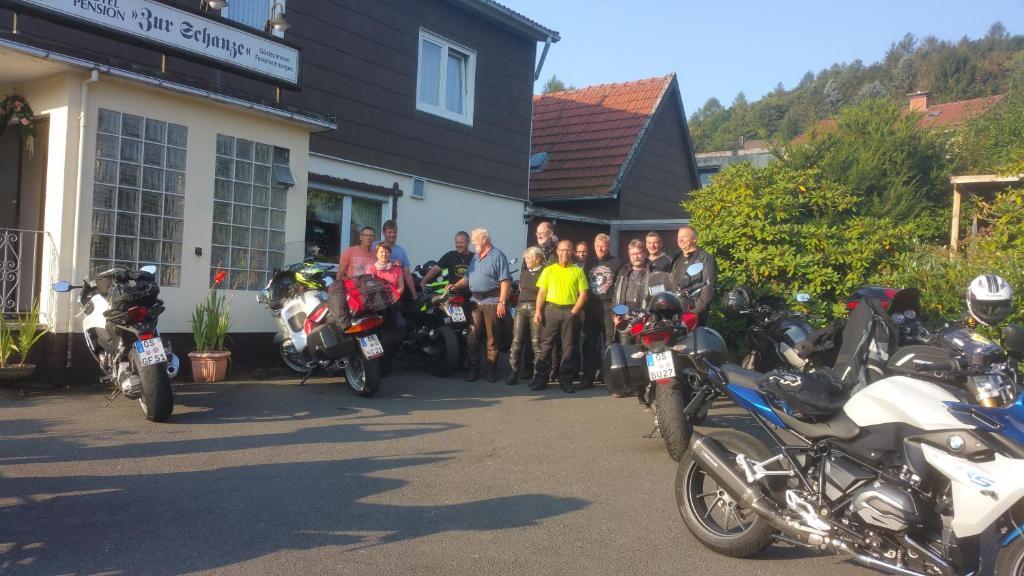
pixel 917 474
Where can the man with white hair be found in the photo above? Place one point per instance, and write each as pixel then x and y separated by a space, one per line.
pixel 489 279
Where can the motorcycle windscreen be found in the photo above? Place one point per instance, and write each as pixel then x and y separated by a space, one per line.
pixel 656 283
pixel 906 299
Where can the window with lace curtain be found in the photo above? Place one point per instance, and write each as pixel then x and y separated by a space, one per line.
pixel 445 78
pixel 333 222
pixel 254 13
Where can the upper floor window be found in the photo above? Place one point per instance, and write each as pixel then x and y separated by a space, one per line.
pixel 444 83
pixel 253 13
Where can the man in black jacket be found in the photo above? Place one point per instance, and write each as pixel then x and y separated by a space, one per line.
pixel 707 279
pixel 598 328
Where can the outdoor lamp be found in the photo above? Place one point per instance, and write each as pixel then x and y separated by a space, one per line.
pixel 215 4
pixel 277 23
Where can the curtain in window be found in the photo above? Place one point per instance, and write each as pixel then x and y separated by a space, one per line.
pixel 455 82
pixel 253 13
pixel 430 73
pixel 364 213
pixel 323 224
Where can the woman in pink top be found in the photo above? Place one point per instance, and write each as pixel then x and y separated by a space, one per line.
pixel 388 271
pixel 355 259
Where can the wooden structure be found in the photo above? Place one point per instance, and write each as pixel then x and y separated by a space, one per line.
pixel 973 185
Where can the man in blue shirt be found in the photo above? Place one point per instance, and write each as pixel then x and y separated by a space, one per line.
pixel 390 232
pixel 489 280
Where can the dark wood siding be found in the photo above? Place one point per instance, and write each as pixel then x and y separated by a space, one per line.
pixel 660 176
pixel 359 63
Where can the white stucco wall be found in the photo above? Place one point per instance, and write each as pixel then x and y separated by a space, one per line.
pixel 59 98
pixel 427 227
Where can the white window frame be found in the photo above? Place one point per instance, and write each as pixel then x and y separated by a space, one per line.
pixel 468 89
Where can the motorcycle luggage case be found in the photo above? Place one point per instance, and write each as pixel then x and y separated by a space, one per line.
pixel 623 374
pixel 922 361
pixel 324 343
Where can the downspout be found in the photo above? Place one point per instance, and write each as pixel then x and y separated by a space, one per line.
pixel 93 78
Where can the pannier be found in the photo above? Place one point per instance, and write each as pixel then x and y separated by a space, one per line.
pixel 623 374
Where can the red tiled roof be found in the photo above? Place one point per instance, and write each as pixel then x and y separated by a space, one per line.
pixel 936 116
pixel 588 135
pixel 953 113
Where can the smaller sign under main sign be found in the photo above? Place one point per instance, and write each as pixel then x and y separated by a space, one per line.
pixel 168 26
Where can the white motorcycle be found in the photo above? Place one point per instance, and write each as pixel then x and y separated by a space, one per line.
pixel 918 473
pixel 120 309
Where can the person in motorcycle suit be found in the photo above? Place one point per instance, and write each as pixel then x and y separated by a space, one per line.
pixel 547 241
pixel 523 327
pixel 690 253
pixel 629 286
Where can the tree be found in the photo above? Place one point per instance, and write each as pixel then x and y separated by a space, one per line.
pixel 873 90
pixel 833 98
pixel 554 84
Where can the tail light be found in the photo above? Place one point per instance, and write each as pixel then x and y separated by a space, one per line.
pixel 146 336
pixel 457 300
pixel 690 321
pixel 365 324
pixel 314 318
pixel 636 328
pixel 654 337
pixel 138 314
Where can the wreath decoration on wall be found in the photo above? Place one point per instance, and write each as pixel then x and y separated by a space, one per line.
pixel 14 110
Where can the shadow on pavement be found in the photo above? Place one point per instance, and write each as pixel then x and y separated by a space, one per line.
pixel 193 521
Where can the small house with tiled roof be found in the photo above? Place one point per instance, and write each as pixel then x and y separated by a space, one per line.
pixel 612 158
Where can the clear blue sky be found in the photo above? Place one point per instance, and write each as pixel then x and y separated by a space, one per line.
pixel 720 48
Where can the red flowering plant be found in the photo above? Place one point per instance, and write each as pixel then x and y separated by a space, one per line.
pixel 212 318
pixel 14 109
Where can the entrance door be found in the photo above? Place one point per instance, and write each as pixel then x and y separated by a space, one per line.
pixel 23 244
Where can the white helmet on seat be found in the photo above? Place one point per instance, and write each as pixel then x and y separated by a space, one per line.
pixel 989 299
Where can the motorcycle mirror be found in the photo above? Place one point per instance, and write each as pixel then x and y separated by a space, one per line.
pixel 62 286
pixel 803 297
pixel 149 269
pixel 694 269
pixel 1013 340
pixel 620 310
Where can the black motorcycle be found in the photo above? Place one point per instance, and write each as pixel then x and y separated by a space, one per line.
pixel 436 326
pixel 774 332
pixel 645 360
pixel 120 309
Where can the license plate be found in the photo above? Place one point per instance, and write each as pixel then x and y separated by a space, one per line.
pixel 151 351
pixel 660 366
pixel 457 313
pixel 371 346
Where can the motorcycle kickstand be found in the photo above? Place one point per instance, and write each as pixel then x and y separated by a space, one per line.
pixel 651 435
pixel 309 374
pixel 113 396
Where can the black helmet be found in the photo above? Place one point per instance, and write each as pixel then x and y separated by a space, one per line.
pixel 665 305
pixel 736 301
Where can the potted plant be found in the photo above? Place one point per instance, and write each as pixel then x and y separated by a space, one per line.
pixel 19 337
pixel 210 323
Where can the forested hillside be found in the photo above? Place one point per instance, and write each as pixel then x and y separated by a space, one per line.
pixel 951 71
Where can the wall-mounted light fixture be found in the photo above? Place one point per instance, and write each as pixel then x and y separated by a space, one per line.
pixel 207 5
pixel 277 23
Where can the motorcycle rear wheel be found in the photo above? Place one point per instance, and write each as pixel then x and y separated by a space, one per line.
pixel 157 399
pixel 676 428
pixel 363 375
pixel 722 525
pixel 1010 561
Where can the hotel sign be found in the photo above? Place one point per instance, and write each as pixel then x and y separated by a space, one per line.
pixel 182 31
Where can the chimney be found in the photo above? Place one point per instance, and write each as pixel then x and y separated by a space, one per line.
pixel 918 101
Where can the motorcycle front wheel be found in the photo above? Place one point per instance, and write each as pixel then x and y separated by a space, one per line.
pixel 157 399
pixel 363 375
pixel 676 428
pixel 446 359
pixel 293 360
pixel 1010 561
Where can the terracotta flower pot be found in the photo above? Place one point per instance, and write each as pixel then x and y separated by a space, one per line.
pixel 16 371
pixel 209 366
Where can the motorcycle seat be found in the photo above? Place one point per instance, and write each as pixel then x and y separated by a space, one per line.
pixel 740 376
pixel 838 426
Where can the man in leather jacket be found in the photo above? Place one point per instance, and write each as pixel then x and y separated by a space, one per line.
pixel 690 253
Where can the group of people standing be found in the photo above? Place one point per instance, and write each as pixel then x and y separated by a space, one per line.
pixel 566 294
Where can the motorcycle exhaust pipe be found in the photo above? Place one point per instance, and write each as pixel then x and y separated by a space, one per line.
pixel 716 462
pixel 172 365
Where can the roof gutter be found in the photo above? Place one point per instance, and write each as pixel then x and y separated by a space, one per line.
pixel 509 18
pixel 323 125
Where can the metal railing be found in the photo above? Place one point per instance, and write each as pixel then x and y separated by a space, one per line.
pixel 29 266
